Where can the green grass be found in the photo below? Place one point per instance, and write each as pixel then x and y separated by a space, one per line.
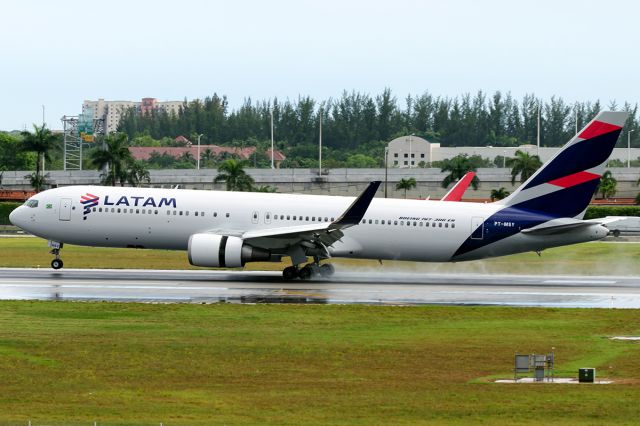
pixel 599 258
pixel 75 363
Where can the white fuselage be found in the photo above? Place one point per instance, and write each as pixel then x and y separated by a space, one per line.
pixel 165 219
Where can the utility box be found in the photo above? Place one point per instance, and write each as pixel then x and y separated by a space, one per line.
pixel 586 375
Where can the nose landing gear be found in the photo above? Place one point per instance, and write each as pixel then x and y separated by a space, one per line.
pixel 55 250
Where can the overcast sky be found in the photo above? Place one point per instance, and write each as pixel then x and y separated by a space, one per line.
pixel 59 53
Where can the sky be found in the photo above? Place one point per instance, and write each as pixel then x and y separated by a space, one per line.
pixel 59 53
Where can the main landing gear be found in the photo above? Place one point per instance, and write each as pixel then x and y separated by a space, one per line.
pixel 308 271
pixel 55 250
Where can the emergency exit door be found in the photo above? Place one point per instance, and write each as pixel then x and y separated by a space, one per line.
pixel 65 209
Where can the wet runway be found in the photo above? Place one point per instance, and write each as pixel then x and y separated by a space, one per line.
pixel 345 287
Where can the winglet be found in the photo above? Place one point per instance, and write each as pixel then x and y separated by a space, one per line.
pixel 354 214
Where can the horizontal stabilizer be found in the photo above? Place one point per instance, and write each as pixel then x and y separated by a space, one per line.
pixel 557 227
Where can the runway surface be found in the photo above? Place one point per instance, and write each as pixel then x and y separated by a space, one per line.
pixel 344 287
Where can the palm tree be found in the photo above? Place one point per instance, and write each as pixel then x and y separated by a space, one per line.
pixel 457 167
pixel 137 173
pixel 232 172
pixel 264 188
pixel 40 141
pixel 608 185
pixel 406 184
pixel 524 165
pixel 207 157
pixel 116 157
pixel 499 194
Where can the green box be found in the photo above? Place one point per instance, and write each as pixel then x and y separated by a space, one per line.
pixel 587 375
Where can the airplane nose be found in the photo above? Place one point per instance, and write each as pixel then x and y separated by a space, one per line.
pixel 14 217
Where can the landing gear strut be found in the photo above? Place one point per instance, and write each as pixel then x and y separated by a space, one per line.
pixel 55 250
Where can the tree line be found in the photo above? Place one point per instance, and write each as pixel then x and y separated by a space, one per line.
pixel 356 119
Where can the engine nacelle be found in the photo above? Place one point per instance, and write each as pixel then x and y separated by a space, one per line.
pixel 221 251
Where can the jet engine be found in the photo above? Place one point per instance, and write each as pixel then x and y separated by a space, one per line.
pixel 221 251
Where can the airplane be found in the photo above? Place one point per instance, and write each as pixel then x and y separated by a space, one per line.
pixel 457 191
pixel 228 229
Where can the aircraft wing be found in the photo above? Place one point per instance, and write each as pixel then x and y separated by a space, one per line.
pixel 456 193
pixel 325 233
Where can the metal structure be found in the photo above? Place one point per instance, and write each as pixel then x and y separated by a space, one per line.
pixel 76 132
pixel 542 366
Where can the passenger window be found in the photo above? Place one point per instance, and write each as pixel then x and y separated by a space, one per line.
pixel 201 213
pixel 402 223
pixel 395 222
pixel 433 225
pixel 196 213
pixel 453 225
pixel 313 219
pixel 227 214
pixel 415 223
pixel 137 211
pixel 376 221
pixel 439 224
pixel 144 211
pixel 282 217
pixel 100 210
pixel 186 213
pixel 119 210
pixel 446 225
pixel 421 224
pixel 288 217
pixel 294 218
pixel 215 214
pixel 307 219
pixel 180 212
pixel 155 212
pixel 175 212
pixel 326 219
pixel 370 221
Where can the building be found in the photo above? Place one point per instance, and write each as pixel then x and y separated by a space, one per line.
pixel 144 152
pixel 411 151
pixel 112 111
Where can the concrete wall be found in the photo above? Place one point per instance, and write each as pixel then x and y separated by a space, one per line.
pixel 335 181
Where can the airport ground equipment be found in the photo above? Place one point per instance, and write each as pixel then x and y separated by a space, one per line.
pixel 587 375
pixel 540 365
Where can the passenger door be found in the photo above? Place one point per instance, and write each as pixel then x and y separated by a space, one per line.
pixel 65 209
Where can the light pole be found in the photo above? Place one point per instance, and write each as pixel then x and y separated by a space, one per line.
pixel 198 163
pixel 386 169
pixel 504 159
pixel 320 146
pixel 538 136
pixel 272 165
pixel 629 149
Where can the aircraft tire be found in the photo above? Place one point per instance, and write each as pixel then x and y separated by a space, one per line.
pixel 327 269
pixel 57 264
pixel 289 273
pixel 305 273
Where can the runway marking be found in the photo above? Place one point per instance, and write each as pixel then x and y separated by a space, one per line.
pixel 579 282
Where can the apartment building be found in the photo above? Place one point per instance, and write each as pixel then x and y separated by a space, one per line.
pixel 111 111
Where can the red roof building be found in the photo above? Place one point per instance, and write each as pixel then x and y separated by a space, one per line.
pixel 144 152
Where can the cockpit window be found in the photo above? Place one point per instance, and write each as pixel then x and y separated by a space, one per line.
pixel 32 203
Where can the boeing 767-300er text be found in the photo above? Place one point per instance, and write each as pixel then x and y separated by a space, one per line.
pixel 229 229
